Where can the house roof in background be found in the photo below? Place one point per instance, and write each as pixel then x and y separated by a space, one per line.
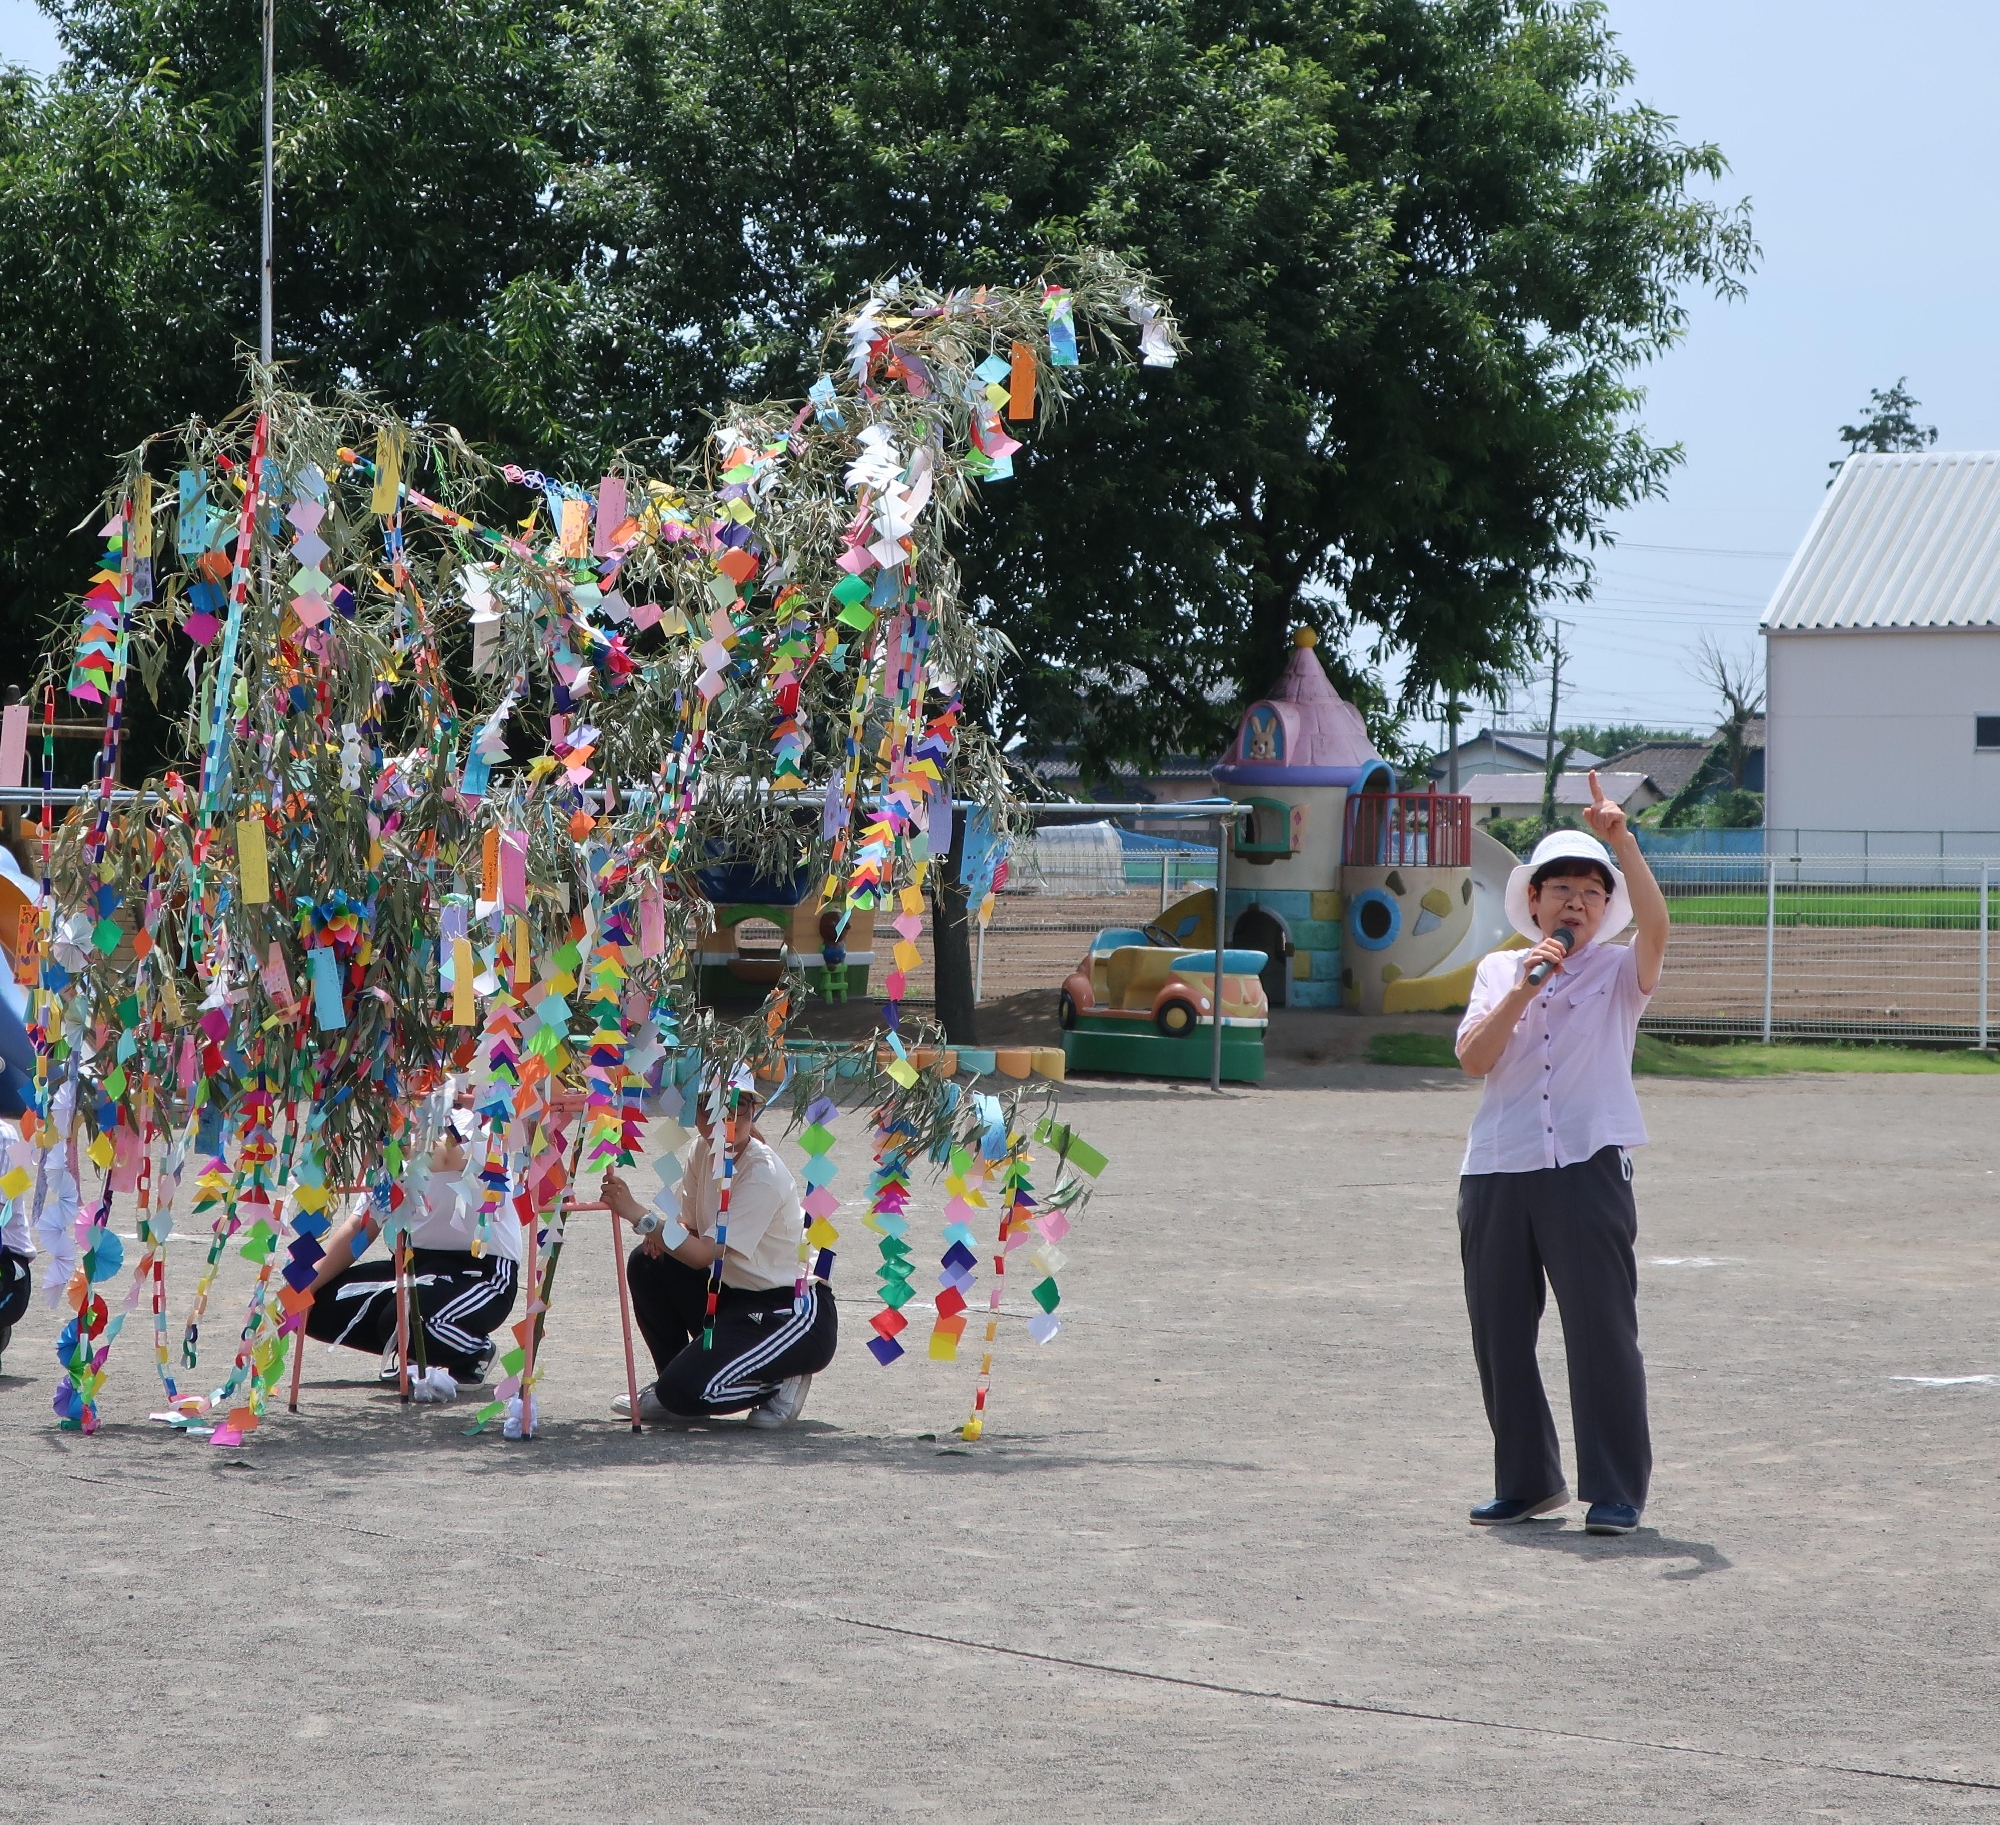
pixel 1571 788
pixel 1900 541
pixel 1529 744
pixel 1668 764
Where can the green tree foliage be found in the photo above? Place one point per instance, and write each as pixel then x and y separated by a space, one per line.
pixel 1614 738
pixel 1421 250
pixel 419 251
pixel 1890 426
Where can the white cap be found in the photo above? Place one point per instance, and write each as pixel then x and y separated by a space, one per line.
pixel 713 1086
pixel 1558 846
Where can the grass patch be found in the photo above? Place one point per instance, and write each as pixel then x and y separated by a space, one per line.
pixel 1906 909
pixel 1663 1058
pixel 1431 1049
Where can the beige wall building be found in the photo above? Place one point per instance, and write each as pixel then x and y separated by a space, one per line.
pixel 1883 653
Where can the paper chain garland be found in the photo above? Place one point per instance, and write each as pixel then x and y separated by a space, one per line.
pixel 279 966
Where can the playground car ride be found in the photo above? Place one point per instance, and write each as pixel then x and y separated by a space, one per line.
pixel 1139 977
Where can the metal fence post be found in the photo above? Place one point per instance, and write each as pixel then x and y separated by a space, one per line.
pixel 1225 829
pixel 1770 936
pixel 979 967
pixel 1166 876
pixel 1985 955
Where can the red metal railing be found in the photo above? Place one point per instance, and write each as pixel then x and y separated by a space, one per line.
pixel 1409 829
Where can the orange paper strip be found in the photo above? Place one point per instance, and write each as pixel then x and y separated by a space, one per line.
pixel 1021 383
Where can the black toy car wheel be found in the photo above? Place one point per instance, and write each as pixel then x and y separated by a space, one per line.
pixel 1066 1012
pixel 1176 1017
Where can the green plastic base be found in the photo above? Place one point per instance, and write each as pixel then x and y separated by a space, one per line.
pixel 1136 1051
pixel 714 985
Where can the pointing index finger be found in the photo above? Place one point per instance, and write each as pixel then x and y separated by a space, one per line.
pixel 1596 791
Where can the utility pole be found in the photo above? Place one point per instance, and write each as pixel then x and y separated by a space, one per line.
pixel 1555 704
pixel 1452 708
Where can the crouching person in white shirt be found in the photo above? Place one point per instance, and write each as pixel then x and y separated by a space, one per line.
pixel 768 1344
pixel 459 1298
pixel 1545 1196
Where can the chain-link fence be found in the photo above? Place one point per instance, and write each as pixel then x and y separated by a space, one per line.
pixel 1037 934
pixel 1859 947
pixel 1803 945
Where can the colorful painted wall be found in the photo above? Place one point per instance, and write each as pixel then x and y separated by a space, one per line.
pixel 1296 757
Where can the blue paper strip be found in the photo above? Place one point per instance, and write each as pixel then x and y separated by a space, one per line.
pixel 326 990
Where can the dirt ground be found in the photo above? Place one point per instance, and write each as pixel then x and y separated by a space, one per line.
pixel 1210 1562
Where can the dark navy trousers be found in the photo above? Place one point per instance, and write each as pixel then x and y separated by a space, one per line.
pixel 1572 1228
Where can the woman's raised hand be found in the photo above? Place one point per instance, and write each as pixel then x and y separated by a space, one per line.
pixel 1607 819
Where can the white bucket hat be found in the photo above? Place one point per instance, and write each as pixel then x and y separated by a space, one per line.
pixel 715 1089
pixel 1557 846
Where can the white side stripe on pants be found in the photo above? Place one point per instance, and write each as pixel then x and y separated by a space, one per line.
pixel 444 1324
pixel 734 1380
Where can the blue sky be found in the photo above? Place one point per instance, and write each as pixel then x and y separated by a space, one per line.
pixel 1864 137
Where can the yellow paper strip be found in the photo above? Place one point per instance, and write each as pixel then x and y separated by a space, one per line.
pixel 388 472
pixel 463 1011
pixel 253 864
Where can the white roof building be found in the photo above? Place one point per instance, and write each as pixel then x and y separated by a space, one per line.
pixel 1883 652
pixel 1520 794
pixel 1505 751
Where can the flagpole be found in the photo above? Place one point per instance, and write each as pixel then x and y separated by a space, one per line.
pixel 270 79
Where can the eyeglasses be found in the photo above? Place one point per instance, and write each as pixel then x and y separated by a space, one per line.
pixel 1563 894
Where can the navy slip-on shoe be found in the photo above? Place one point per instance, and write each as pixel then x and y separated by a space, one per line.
pixel 1610 1518
pixel 1506 1512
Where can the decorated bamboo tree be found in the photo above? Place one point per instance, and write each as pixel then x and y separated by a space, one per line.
pixel 452 773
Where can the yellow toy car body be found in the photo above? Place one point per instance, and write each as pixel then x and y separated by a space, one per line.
pixel 1131 976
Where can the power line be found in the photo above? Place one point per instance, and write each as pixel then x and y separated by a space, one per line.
pixel 1697 551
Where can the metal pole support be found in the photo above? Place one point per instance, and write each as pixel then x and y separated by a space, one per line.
pixel 1770 936
pixel 1225 828
pixel 265 318
pixel 1985 955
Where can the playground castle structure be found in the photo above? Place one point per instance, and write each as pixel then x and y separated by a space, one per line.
pixel 1359 895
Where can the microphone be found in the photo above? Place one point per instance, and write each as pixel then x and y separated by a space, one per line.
pixel 1540 973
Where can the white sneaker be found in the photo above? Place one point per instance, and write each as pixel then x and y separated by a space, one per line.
pixel 782 1406
pixel 649 1404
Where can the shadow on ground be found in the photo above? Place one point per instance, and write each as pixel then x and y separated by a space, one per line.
pixel 1647 1543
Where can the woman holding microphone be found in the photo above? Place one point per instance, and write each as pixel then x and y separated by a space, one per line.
pixel 1545 1192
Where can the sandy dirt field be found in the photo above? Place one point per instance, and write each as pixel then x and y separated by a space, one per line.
pixel 1210 1563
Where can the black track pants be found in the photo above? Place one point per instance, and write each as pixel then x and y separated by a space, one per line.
pixel 462 1301
pixel 759 1340
pixel 17 1281
pixel 1576 1225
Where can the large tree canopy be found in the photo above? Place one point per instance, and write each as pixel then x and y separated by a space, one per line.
pixel 1421 250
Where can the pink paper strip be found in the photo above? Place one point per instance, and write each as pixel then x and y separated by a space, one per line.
pixel 14 745
pixel 514 870
pixel 610 513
